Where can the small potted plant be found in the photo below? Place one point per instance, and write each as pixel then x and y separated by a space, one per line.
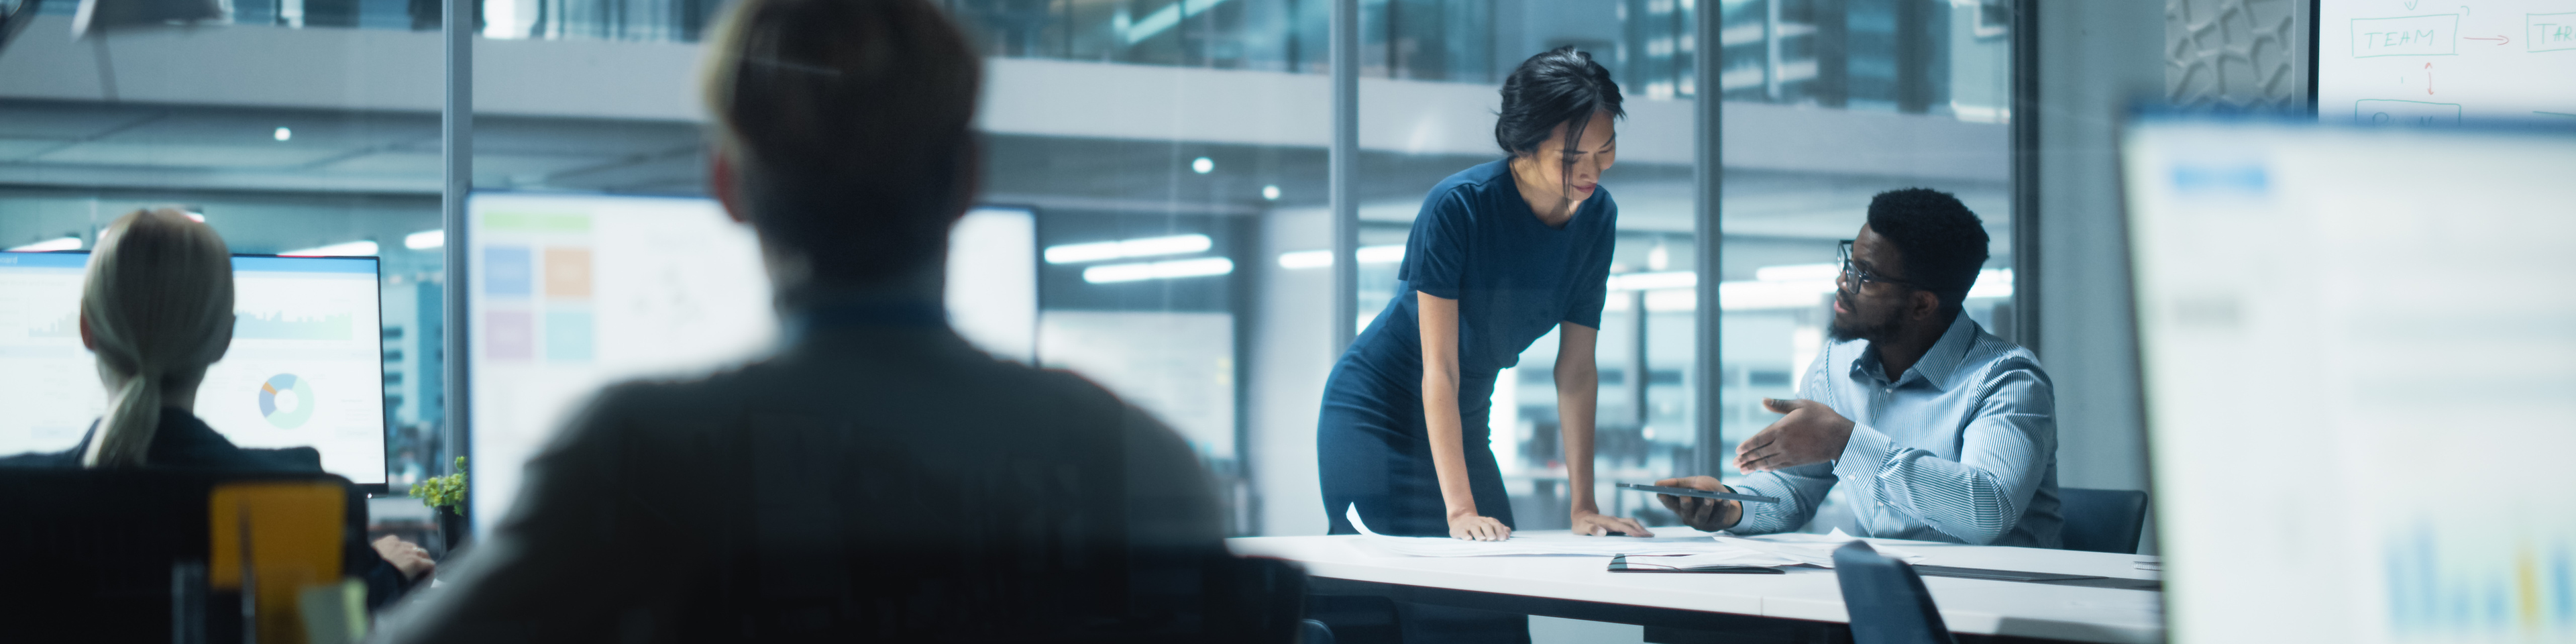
pixel 446 495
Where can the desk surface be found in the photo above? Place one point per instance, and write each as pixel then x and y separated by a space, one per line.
pixel 1968 605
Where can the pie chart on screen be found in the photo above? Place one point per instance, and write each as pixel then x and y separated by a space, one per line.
pixel 286 401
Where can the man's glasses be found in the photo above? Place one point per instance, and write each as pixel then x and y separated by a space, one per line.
pixel 1854 277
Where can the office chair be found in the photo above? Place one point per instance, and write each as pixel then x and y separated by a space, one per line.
pixel 2101 520
pixel 1314 632
pixel 121 555
pixel 1887 602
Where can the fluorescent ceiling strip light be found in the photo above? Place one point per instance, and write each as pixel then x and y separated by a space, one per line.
pixel 1306 259
pixel 1126 248
pixel 61 243
pixel 1653 281
pixel 351 249
pixel 1798 273
pixel 1114 273
pixel 1388 254
pixel 425 240
pixel 1166 18
pixel 1993 283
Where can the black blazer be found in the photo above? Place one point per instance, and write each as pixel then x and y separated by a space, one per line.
pixel 183 441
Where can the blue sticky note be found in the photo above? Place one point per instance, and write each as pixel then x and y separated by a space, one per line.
pixel 568 336
pixel 508 271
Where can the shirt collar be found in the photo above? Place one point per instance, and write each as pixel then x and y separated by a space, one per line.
pixel 1937 367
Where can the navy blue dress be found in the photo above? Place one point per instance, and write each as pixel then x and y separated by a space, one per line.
pixel 1475 241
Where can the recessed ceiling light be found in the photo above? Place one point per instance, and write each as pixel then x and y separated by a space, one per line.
pixel 1270 193
pixel 284 134
pixel 1203 165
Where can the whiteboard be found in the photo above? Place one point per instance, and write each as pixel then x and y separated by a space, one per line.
pixel 572 292
pixel 2444 62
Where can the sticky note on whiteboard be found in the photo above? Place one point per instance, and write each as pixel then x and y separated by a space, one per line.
pixel 2397 112
pixel 2435 35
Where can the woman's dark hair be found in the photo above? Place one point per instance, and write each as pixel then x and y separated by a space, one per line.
pixel 1941 243
pixel 853 127
pixel 1560 87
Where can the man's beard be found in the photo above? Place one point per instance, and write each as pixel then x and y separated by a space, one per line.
pixel 1843 329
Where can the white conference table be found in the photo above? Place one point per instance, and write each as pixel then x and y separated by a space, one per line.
pixel 1580 587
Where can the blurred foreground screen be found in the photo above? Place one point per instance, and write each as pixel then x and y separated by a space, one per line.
pixel 570 293
pixel 2359 356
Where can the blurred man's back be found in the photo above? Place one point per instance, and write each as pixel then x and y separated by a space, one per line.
pixel 868 480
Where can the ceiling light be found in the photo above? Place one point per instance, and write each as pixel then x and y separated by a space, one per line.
pixel 1387 254
pixel 1125 248
pixel 350 249
pixel 61 243
pixel 284 134
pixel 199 216
pixel 1306 259
pixel 1202 165
pixel 1798 273
pixel 425 240
pixel 1270 192
pixel 1653 281
pixel 1200 267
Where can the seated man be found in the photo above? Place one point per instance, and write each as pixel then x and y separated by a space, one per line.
pixel 876 477
pixel 1940 431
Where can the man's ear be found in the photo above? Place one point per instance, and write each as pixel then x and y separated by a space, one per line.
pixel 1923 306
pixel 725 183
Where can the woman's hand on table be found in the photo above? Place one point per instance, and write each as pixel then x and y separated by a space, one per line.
pixel 1601 525
pixel 1471 526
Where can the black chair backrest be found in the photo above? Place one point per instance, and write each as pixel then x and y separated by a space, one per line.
pixel 88 555
pixel 2101 520
pixel 1887 601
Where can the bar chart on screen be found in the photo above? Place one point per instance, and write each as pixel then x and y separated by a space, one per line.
pixel 2492 585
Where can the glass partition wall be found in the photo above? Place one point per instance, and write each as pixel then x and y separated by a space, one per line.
pixel 1190 135
pixel 1829 102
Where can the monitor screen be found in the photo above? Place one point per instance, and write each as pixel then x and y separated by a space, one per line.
pixel 570 293
pixel 305 369
pixel 2357 353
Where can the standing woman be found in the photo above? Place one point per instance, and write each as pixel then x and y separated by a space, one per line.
pixel 1500 253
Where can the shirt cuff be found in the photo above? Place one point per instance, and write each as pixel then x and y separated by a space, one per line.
pixel 1861 455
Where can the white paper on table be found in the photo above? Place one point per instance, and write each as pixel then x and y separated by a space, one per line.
pixel 1811 549
pixel 1739 557
pixel 1551 544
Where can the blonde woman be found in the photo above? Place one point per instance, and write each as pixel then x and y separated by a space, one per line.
pixel 157 309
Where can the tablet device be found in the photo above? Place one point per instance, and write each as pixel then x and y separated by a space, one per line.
pixel 1705 494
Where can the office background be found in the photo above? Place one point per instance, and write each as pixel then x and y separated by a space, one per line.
pixel 313 123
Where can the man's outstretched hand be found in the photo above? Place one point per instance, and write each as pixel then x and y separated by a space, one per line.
pixel 1702 513
pixel 1810 433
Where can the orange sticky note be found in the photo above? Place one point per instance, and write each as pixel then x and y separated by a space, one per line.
pixel 294 532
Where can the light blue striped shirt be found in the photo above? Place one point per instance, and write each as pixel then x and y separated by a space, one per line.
pixel 1961 448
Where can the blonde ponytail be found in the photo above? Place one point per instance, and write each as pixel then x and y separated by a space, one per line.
pixel 158 308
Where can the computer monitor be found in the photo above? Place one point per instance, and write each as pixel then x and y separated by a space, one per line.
pixel 305 369
pixel 2358 353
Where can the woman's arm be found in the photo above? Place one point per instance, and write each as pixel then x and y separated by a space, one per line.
pixel 1439 322
pixel 1578 396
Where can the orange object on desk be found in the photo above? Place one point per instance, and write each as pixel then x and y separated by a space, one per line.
pixel 294 532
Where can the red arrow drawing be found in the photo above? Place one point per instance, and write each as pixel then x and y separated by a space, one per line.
pixel 2500 39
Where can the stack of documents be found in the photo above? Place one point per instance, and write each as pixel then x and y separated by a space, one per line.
pixel 1699 549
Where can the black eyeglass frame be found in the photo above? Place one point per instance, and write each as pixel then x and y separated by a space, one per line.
pixel 1858 278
